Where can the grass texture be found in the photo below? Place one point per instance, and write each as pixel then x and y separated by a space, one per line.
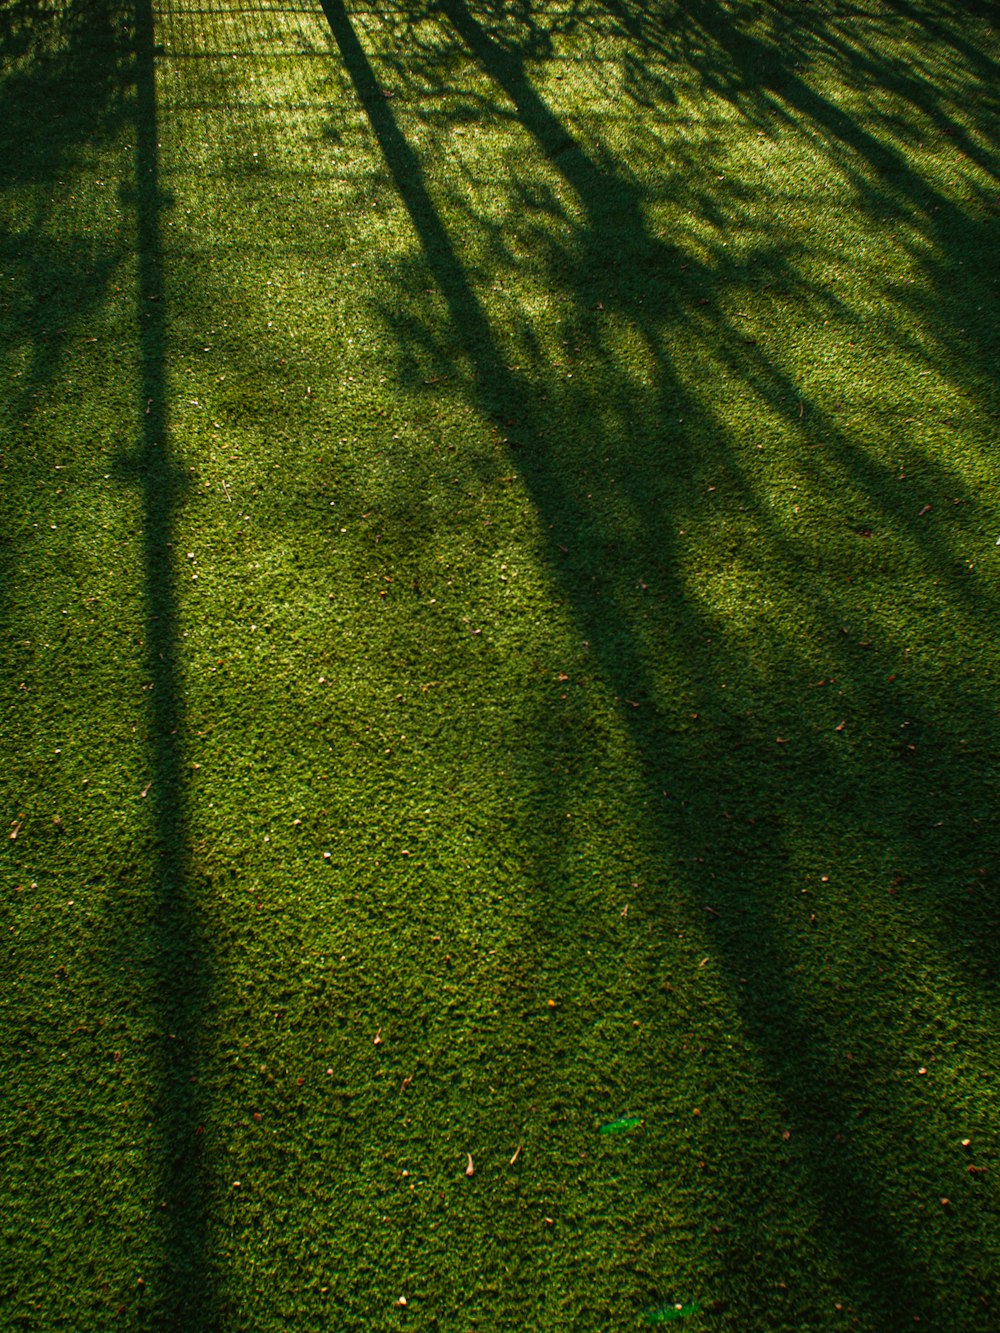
pixel 498 651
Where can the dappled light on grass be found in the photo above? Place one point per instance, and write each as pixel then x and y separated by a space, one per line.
pixel 562 605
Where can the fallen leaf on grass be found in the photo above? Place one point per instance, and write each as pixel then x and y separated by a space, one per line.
pixel 470 1170
pixel 622 1125
pixel 665 1313
pixel 517 1154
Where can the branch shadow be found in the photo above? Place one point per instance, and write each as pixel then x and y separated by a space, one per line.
pixel 691 784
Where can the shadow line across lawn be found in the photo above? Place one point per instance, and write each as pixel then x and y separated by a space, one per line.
pixel 882 1274
pixel 180 957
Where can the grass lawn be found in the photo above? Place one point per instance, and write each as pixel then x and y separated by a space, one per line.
pixel 499 607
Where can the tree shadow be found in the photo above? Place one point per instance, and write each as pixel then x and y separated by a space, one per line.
pixel 47 54
pixel 734 793
pixel 180 953
pixel 75 77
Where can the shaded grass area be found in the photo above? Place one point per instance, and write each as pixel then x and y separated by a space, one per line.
pixel 499 597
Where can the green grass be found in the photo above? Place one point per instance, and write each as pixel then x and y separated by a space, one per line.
pixel 498 520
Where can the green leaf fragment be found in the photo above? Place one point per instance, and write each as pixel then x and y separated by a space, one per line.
pixel 664 1313
pixel 622 1125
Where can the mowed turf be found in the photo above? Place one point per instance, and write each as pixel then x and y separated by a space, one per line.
pixel 498 535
